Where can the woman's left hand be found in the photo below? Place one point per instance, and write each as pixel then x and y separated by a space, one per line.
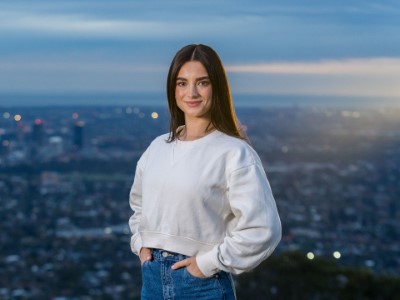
pixel 191 265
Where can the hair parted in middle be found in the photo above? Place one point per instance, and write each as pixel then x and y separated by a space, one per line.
pixel 222 113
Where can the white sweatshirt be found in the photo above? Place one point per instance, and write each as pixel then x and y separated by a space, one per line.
pixel 208 198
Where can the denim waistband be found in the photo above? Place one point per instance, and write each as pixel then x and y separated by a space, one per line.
pixel 160 254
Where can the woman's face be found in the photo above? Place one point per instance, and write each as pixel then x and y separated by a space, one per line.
pixel 193 90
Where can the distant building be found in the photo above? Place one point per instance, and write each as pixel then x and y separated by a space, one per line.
pixel 78 135
pixel 56 145
pixel 5 146
pixel 37 133
pixel 37 137
pixel 4 142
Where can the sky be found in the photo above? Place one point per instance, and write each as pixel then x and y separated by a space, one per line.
pixel 285 47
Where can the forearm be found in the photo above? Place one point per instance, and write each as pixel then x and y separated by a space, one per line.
pixel 256 227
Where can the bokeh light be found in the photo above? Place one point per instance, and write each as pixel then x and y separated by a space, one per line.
pixel 337 254
pixel 310 255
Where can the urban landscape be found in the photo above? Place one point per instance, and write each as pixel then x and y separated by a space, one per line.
pixel 66 172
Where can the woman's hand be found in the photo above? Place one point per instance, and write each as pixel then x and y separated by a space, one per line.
pixel 145 254
pixel 191 266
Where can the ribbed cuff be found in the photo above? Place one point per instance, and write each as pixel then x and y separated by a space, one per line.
pixel 205 264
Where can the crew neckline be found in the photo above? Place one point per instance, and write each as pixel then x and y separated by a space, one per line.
pixel 207 136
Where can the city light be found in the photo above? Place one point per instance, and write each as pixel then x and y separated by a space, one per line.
pixel 6 115
pixel 154 115
pixel 128 110
pixel 285 149
pixel 38 121
pixel 108 230
pixel 370 263
pixel 310 255
pixel 336 254
pixel 6 143
pixel 75 116
pixel 346 113
pixel 17 118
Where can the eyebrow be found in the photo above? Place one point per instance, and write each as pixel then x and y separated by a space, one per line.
pixel 197 79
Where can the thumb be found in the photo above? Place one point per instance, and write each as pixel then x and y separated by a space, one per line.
pixel 180 264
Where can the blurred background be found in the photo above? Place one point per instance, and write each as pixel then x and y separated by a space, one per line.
pixel 316 84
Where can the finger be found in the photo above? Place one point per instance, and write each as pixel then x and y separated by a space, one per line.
pixel 145 258
pixel 180 264
pixel 145 254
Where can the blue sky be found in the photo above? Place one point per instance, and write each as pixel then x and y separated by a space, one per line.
pixel 334 48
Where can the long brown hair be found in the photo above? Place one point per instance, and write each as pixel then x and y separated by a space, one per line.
pixel 223 116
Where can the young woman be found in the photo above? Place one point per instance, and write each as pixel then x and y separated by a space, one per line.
pixel 203 207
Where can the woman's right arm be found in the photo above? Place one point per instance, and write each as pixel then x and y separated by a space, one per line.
pixel 135 202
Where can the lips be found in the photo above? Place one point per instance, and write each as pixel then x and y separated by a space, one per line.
pixel 193 103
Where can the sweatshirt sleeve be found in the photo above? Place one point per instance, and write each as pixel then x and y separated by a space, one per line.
pixel 257 227
pixel 135 202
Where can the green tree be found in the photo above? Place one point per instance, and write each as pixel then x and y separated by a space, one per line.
pixel 291 276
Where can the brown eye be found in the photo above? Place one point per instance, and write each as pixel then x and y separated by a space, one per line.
pixel 181 83
pixel 204 83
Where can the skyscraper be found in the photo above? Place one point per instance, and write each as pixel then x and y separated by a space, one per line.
pixel 37 133
pixel 78 135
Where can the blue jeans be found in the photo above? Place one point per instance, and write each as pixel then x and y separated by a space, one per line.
pixel 160 282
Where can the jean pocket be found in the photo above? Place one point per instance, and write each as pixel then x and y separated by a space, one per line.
pixel 190 275
pixel 202 287
pixel 144 263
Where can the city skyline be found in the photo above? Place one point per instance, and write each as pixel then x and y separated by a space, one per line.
pixel 312 48
pixel 65 186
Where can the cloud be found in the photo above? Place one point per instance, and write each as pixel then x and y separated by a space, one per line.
pixel 284 47
pixel 362 66
pixel 253 30
pixel 79 66
pixel 377 77
pixel 80 76
pixel 74 24
pixel 81 25
pixel 316 85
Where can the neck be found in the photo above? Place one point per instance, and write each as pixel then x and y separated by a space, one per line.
pixel 194 130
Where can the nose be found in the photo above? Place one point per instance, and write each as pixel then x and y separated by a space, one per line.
pixel 193 91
